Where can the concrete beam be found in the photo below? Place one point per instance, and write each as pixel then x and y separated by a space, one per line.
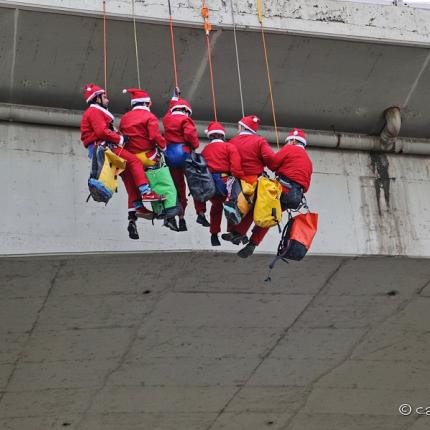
pixel 369 203
pixel 327 18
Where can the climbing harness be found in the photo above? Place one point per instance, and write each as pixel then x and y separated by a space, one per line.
pixel 136 47
pixel 237 59
pixel 207 28
pixel 172 41
pixel 269 79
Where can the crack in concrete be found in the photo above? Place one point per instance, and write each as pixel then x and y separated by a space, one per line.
pixel 33 327
pixel 280 338
pixel 402 305
pixel 133 338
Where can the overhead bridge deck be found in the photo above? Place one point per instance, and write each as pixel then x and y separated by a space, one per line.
pixel 198 341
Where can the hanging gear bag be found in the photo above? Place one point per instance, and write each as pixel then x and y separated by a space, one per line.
pixel 292 193
pixel 297 237
pixel 267 209
pixel 161 182
pixel 105 168
pixel 241 196
pixel 200 181
pixel 175 155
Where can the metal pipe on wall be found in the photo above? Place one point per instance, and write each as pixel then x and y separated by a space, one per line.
pixel 316 138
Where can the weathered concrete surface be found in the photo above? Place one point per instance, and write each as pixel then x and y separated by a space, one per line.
pixel 198 341
pixel 380 21
pixel 368 204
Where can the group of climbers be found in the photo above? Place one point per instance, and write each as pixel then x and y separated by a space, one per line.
pixel 139 142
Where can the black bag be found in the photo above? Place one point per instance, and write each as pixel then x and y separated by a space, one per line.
pixel 199 178
pixel 294 197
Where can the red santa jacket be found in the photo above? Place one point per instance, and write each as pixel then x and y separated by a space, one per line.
pixel 254 152
pixel 97 126
pixel 180 128
pixel 223 157
pixel 142 129
pixel 293 162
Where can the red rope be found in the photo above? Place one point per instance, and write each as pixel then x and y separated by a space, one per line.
pixel 207 27
pixel 172 41
pixel 212 77
pixel 105 44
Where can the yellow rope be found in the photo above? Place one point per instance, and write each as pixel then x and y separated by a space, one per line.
pixel 135 44
pixel 269 79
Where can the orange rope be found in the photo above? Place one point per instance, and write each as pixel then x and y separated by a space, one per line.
pixel 172 42
pixel 269 79
pixel 105 43
pixel 208 27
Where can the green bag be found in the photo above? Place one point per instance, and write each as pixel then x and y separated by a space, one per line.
pixel 161 182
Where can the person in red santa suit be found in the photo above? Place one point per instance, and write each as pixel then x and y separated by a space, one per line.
pixel 141 127
pixel 223 161
pixel 97 129
pixel 256 154
pixel 293 168
pixel 181 138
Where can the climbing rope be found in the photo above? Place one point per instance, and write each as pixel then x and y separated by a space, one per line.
pixel 237 58
pixel 172 41
pixel 260 19
pixel 208 27
pixel 135 43
pixel 104 44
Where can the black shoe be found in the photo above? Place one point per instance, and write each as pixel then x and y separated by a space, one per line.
pixel 201 219
pixel 235 238
pixel 171 223
pixel 247 251
pixel 132 230
pixel 182 225
pixel 214 240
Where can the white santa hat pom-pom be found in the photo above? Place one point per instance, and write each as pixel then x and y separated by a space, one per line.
pixel 124 91
pixel 206 131
pixel 255 119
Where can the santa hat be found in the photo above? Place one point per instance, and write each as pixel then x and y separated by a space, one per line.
pixel 181 104
pixel 215 128
pixel 297 134
pixel 250 122
pixel 137 96
pixel 91 91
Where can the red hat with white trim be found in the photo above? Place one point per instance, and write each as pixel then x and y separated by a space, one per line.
pixel 181 104
pixel 250 122
pixel 215 128
pixel 297 134
pixel 91 91
pixel 137 95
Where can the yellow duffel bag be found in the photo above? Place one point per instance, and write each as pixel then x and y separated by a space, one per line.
pixel 267 208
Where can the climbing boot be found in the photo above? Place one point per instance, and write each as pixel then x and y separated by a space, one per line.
pixel 248 250
pixel 152 197
pixel 132 230
pixel 182 225
pixel 234 238
pixel 171 223
pixel 214 240
pixel 201 219
pixel 144 213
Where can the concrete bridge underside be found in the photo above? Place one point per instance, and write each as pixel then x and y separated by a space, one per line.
pixel 163 341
